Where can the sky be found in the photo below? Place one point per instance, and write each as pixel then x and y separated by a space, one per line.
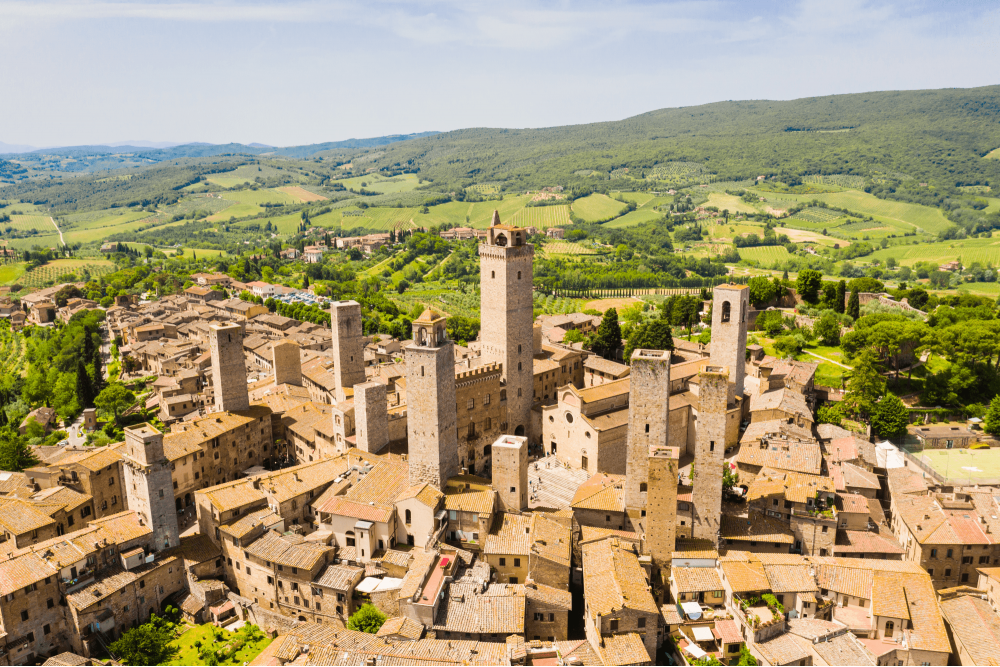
pixel 295 72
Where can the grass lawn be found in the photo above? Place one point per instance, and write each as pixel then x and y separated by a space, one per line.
pixel 597 208
pixel 973 464
pixel 11 272
pixel 204 633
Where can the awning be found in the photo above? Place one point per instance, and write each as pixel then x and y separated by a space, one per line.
pixel 703 633
pixel 694 650
pixel 692 609
pixel 389 583
pixel 368 584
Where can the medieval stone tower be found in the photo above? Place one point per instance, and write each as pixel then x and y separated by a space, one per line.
pixel 505 277
pixel 661 506
pixel 348 350
pixel 287 363
pixel 431 411
pixel 648 424
pixel 229 370
pixel 730 305
pixel 510 472
pixel 710 445
pixel 149 485
pixel 371 417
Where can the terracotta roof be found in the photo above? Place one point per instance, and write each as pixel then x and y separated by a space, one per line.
pixel 549 596
pixel 509 535
pixel 272 547
pixel 782 650
pixel 975 626
pixel 195 549
pixel 796 456
pixel 791 486
pixel 425 493
pixel 602 391
pixel 745 576
pixel 728 631
pixel 340 577
pixel 465 610
pixel 613 579
pixel 788 401
pixel 859 478
pixel 477 502
pixel 401 626
pixel 756 527
pixel 601 492
pixel 19 516
pixel 790 578
pixel 18 572
pixel 623 649
pixel 905 481
pixel 696 579
pixel 852 503
pixel 859 541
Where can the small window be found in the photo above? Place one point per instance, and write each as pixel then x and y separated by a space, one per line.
pixel 503 563
pixel 642 621
pixel 642 487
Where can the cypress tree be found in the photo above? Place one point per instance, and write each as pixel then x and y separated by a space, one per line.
pixel 84 388
pixel 839 305
pixel 854 305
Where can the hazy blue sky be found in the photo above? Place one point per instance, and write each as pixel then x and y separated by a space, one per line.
pixel 282 73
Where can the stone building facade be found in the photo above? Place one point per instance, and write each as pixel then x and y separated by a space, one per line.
pixel 730 305
pixel 148 483
pixel 507 316
pixel 348 346
pixel 229 372
pixel 660 511
pixel 481 414
pixel 713 394
pixel 648 422
pixel 431 411
pixel 510 472
pixel 286 362
pixel 371 417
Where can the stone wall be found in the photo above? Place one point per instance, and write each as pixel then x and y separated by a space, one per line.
pixel 431 415
pixel 709 448
pixel 229 371
pixel 348 346
pixel 648 419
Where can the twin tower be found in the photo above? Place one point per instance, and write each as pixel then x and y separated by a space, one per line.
pixel 652 463
pixel 506 315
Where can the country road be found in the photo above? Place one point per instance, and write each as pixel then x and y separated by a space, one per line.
pixel 53 221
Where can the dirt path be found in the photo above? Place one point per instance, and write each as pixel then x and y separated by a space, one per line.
pixel 53 221
pixel 439 263
pixel 829 361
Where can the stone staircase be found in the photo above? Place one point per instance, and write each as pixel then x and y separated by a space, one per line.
pixel 551 484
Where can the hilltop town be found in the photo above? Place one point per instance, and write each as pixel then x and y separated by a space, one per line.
pixel 515 500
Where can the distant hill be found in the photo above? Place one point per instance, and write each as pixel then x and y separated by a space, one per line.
pixel 928 135
pixel 171 151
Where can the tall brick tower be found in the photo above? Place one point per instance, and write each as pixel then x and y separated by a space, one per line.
pixel 348 350
pixel 229 369
pixel 661 507
pixel 149 485
pixel 710 444
pixel 371 417
pixel 506 313
pixel 510 472
pixel 730 305
pixel 648 424
pixel 431 412
pixel 287 362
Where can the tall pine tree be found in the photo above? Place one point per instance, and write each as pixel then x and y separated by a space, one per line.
pixel 854 305
pixel 84 387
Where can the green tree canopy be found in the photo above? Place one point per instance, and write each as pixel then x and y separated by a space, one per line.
pixel 854 305
pixel 147 644
pixel 865 387
pixel 828 329
pixel 991 422
pixel 808 284
pixel 608 337
pixel 891 417
pixel 115 399
pixel 762 290
pixel 366 619
pixel 654 335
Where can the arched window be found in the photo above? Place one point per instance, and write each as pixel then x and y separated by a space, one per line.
pixel 493 274
pixel 889 627
pixel 409 516
pixel 725 311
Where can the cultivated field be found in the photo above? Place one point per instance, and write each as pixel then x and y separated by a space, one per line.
pixel 552 248
pixel 636 217
pixel 376 183
pixel 603 304
pixel 904 216
pixel 801 236
pixel 302 194
pixel 732 203
pixel 244 174
pixel 993 154
pixel 49 273
pixel 25 223
pixel 985 251
pixel 766 255
pixel 9 273
pixel 541 217
pixel 597 208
